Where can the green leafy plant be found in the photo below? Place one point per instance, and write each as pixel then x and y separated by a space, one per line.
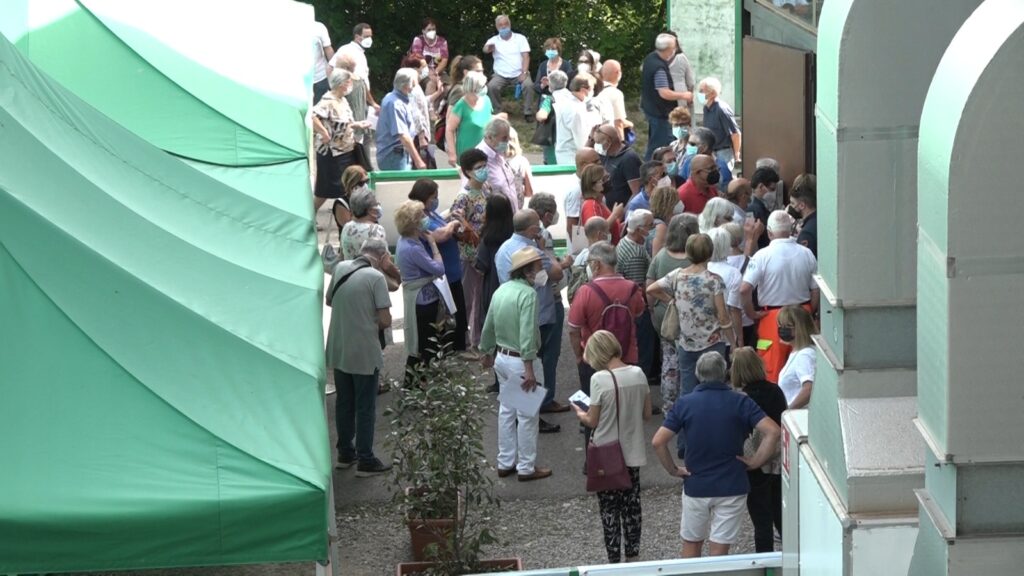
pixel 440 465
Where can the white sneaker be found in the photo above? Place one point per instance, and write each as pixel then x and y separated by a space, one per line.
pixel 330 389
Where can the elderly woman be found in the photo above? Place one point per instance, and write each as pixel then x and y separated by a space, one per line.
pixel 620 402
pixel 667 260
pixel 796 326
pixel 366 213
pixel 333 137
pixel 353 179
pixel 764 503
pixel 520 166
pixel 704 321
pixel 592 186
pixel 665 205
pixel 470 205
pixel 680 120
pixel 442 232
pixel 554 61
pixel 716 212
pixel 467 118
pixel 722 241
pixel 556 81
pixel 420 263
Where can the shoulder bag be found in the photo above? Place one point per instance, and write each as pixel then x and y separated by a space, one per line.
pixel 606 467
pixel 669 328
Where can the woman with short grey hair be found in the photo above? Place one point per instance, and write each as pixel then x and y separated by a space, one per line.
pixel 333 137
pixel 468 117
pixel 557 81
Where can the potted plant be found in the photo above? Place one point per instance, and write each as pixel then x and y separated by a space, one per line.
pixel 441 476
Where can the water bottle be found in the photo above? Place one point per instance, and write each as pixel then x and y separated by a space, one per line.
pixel 519 90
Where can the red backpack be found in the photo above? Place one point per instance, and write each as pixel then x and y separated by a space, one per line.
pixel 616 316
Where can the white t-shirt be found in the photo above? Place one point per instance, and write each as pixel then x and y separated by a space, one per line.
pixel 737 261
pixel 783 273
pixel 572 129
pixel 321 40
pixel 799 368
pixel 574 200
pixel 732 278
pixel 508 54
pixel 358 56
pixel 613 104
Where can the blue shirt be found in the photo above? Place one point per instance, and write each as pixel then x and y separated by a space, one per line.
pixel 716 420
pixel 723 169
pixel 449 249
pixel 641 200
pixel 718 117
pixel 503 262
pixel 396 118
pixel 414 262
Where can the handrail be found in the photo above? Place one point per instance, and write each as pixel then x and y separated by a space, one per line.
pixel 745 564
pixel 453 174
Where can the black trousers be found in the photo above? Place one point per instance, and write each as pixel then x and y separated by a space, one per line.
pixel 457 339
pixel 764 503
pixel 426 316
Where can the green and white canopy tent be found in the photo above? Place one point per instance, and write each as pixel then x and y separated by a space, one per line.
pixel 161 356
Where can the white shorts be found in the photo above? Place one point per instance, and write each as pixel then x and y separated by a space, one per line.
pixel 716 519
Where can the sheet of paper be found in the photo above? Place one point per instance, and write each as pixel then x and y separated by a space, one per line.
pixel 446 293
pixel 580 396
pixel 511 394
pixel 371 117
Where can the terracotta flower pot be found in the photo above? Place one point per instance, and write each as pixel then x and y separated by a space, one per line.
pixel 499 565
pixel 426 531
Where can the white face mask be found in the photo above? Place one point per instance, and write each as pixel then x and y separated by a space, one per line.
pixel 424 72
pixel 366 43
pixel 554 219
pixel 600 149
pixel 430 34
pixel 665 181
pixel 583 67
pixel 590 272
pixel 678 209
pixel 541 279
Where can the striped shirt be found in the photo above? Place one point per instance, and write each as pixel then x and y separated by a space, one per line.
pixel 633 260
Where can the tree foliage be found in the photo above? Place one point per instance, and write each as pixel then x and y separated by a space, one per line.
pixel 623 30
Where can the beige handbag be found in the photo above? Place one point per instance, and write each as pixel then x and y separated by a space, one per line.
pixel 669 328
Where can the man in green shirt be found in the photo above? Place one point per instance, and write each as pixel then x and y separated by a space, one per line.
pixel 509 342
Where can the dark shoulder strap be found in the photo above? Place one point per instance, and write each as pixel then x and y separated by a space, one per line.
pixel 600 293
pixel 615 382
pixel 359 265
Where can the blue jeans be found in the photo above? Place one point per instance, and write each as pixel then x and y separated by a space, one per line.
pixel 646 343
pixel 550 350
pixel 688 379
pixel 355 411
pixel 659 133
pixel 395 159
pixel 726 155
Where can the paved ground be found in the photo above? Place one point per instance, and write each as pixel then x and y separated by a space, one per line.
pixel 548 523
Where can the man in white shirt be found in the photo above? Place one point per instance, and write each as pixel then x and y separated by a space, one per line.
pixel 783 274
pixel 362 40
pixel 613 102
pixel 575 117
pixel 511 52
pixel 322 52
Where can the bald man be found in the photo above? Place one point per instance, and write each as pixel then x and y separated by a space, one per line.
pixel 738 193
pixel 611 100
pixel 622 164
pixel 574 197
pixel 700 187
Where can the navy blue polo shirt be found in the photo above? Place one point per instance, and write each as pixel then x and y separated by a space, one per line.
pixel 716 420
pixel 719 118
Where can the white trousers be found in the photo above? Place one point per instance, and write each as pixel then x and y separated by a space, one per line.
pixel 512 438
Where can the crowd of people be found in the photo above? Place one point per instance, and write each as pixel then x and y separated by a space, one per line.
pixel 679 272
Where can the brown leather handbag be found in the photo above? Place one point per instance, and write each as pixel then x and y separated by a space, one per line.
pixel 606 467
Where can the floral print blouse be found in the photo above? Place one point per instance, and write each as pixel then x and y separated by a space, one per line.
pixel 336 116
pixel 355 233
pixel 472 204
pixel 695 302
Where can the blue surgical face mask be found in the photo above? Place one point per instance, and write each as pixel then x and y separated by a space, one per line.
pixel 433 205
pixel 701 98
pixel 480 174
pixel 679 132
pixel 551 54
pixel 691 150
pixel 504 32
pixel 672 168
pixel 425 224
pixel 501 148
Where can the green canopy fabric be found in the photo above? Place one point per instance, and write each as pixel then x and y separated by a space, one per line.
pixel 161 356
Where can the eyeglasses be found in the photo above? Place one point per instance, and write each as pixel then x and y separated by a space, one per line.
pixel 363 183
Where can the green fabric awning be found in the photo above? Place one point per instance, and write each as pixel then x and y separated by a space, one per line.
pixel 161 356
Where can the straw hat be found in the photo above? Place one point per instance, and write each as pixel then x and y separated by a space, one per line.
pixel 524 256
